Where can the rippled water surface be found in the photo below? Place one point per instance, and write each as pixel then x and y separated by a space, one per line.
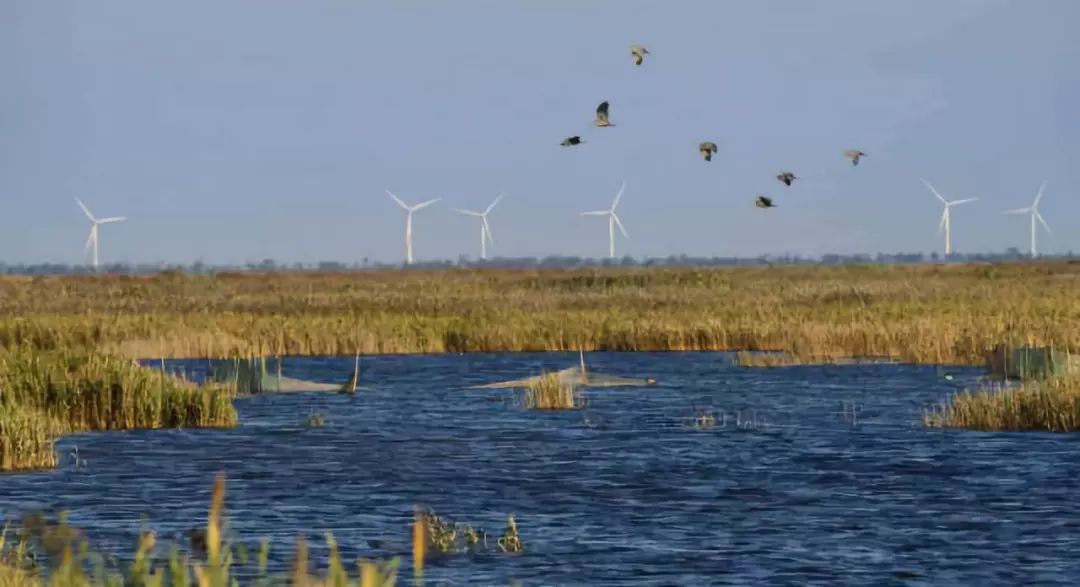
pixel 623 492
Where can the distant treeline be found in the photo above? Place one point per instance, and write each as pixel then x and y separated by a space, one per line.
pixel 199 267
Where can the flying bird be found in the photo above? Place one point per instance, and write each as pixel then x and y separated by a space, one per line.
pixel 639 53
pixel 574 140
pixel 787 177
pixel 764 202
pixel 707 149
pixel 602 115
pixel 854 155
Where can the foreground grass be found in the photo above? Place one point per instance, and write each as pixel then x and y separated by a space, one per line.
pixel 68 558
pixel 46 394
pixel 1052 405
pixel 921 314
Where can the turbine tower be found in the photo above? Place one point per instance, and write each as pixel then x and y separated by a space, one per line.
pixel 945 217
pixel 94 229
pixel 485 229
pixel 408 222
pixel 1034 211
pixel 613 219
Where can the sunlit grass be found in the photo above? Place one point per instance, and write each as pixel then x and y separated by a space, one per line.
pixel 1052 406
pixel 551 393
pixel 46 394
pixel 922 314
pixel 55 554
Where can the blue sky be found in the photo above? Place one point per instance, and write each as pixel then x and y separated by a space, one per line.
pixel 235 131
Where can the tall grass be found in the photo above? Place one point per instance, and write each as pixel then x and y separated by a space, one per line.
pixel 69 559
pixel 923 314
pixel 76 566
pixel 551 393
pixel 1052 405
pixel 46 394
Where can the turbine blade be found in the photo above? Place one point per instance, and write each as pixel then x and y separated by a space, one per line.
pixel 492 205
pixel 1039 195
pixel 943 201
pixel 597 213
pixel 89 241
pixel 112 219
pixel 941 225
pixel 487 230
pixel 619 223
pixel 1017 211
pixel 618 196
pixel 85 210
pixel 398 200
pixel 469 212
pixel 964 201
pixel 1042 221
pixel 425 204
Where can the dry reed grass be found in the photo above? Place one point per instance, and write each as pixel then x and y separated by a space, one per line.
pixel 67 548
pixel 47 394
pixel 551 393
pixel 922 314
pixel 1051 406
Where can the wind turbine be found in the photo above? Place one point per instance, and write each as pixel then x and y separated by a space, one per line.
pixel 94 230
pixel 1034 210
pixel 613 219
pixel 945 217
pixel 408 221
pixel 485 229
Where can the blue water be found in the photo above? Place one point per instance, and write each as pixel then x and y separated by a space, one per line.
pixel 623 492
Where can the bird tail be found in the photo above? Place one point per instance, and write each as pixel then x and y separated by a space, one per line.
pixel 708 156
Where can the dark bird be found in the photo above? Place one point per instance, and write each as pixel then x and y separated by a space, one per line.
pixel 574 140
pixel 707 149
pixel 787 177
pixel 854 155
pixel 602 115
pixel 764 202
pixel 639 53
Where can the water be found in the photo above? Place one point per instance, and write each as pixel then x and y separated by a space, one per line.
pixel 624 492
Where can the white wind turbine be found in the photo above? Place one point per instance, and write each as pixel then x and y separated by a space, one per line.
pixel 485 229
pixel 1034 210
pixel 613 219
pixel 408 221
pixel 94 228
pixel 945 217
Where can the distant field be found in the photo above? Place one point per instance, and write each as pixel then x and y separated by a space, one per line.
pixel 925 314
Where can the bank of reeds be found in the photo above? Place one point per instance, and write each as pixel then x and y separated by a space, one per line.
pixel 551 393
pixel 1051 405
pixel 924 314
pixel 47 394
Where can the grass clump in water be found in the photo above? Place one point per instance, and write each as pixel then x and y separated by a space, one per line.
pixel 1048 406
pixel 551 393
pixel 45 395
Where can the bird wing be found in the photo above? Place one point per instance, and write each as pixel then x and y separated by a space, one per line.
pixel 602 111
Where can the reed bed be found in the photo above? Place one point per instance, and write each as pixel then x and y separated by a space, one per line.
pixel 923 314
pixel 46 394
pixel 1051 405
pixel 69 562
pixel 551 393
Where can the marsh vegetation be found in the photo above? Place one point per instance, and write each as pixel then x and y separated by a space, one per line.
pixel 922 314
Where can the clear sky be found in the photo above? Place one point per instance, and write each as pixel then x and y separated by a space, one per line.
pixel 236 131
